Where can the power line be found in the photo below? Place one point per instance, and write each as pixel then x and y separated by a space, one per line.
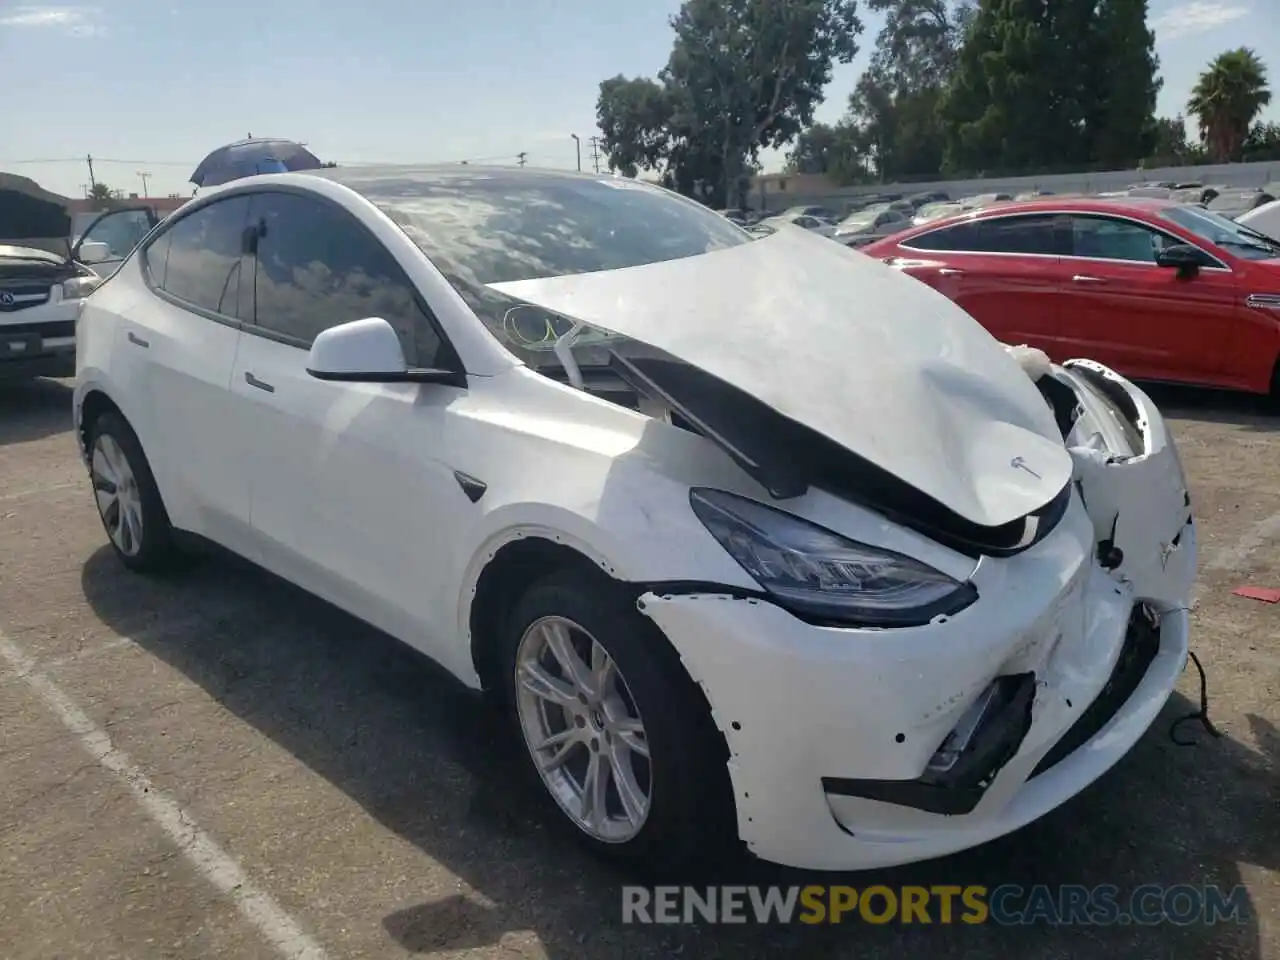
pixel 595 152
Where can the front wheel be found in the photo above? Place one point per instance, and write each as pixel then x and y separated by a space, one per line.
pixel 127 498
pixel 615 731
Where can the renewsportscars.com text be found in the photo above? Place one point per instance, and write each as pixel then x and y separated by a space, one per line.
pixel 1009 904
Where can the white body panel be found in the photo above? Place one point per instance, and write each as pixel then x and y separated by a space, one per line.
pixel 1264 219
pixel 349 490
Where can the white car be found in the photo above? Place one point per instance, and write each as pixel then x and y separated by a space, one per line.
pixel 1264 219
pixel 40 297
pixel 751 537
pixel 815 225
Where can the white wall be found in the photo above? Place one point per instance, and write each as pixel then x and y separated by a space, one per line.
pixel 1228 174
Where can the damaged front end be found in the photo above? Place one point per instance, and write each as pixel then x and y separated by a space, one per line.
pixel 1129 477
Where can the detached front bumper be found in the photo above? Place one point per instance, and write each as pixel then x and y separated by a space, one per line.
pixel 853 749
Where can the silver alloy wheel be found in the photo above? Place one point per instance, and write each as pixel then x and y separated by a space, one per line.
pixel 583 729
pixel 116 490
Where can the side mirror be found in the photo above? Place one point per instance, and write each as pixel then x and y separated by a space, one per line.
pixel 94 251
pixel 1182 257
pixel 369 351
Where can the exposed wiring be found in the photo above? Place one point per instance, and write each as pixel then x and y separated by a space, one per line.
pixel 1202 714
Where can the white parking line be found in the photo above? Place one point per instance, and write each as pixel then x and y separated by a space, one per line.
pixel 276 926
pixel 133 640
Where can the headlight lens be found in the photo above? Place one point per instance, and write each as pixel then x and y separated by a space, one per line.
pixel 822 575
pixel 79 287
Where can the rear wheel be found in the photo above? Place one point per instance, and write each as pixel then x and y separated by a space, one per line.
pixel 616 733
pixel 127 498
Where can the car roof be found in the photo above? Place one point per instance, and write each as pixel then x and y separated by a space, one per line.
pixel 1149 206
pixel 453 172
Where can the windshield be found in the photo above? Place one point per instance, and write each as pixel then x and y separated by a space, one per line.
pixel 1220 231
pixel 500 226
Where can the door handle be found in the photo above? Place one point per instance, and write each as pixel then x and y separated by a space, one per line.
pixel 137 341
pixel 1085 278
pixel 253 381
pixel 950 272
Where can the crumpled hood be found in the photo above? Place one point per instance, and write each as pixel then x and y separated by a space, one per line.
pixel 870 358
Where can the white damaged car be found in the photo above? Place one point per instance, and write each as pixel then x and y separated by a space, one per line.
pixel 752 535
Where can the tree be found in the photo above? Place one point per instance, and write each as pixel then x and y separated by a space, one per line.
pixel 920 41
pixel 634 117
pixel 1040 84
pixel 101 193
pixel 1169 143
pixel 1227 99
pixel 742 75
pixel 1120 84
pixel 894 107
pixel 830 150
pixel 1263 143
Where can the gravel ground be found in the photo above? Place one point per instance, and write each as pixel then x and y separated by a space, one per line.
pixel 217 765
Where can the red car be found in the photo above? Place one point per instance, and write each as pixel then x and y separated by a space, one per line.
pixel 1156 289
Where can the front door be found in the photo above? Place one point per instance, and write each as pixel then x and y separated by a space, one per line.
pixel 351 494
pixel 1145 320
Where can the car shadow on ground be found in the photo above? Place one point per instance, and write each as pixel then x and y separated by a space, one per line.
pixel 33 409
pixel 428 761
pixel 1251 411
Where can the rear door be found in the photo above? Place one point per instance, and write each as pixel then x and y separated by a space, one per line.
pixel 1145 320
pixel 1005 272
pixel 176 350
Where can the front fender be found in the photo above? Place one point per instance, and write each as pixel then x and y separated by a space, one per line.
pixel 1132 482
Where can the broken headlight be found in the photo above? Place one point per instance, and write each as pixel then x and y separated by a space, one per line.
pixel 821 575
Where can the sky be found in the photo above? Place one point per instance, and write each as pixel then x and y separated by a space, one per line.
pixel 151 86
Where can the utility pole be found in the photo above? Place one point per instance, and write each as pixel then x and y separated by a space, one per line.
pixel 595 152
pixel 577 146
pixel 88 158
pixel 520 158
pixel 144 175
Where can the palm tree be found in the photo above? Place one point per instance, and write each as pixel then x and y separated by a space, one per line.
pixel 1227 98
pixel 101 192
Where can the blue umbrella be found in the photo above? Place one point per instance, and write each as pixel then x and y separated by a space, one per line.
pixel 249 157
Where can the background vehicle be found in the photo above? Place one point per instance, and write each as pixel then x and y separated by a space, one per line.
pixel 867 225
pixel 40 296
pixel 1265 219
pixel 1232 203
pixel 1156 289
pixel 936 211
pixel 823 228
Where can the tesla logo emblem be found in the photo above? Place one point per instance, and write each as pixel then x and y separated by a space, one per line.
pixel 6 298
pixel 1019 463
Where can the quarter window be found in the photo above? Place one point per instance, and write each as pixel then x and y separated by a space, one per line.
pixel 318 267
pixel 203 264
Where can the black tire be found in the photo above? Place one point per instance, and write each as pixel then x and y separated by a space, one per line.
pixel 157 552
pixel 691 821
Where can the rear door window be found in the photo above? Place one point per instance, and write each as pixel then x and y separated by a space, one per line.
pixel 203 261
